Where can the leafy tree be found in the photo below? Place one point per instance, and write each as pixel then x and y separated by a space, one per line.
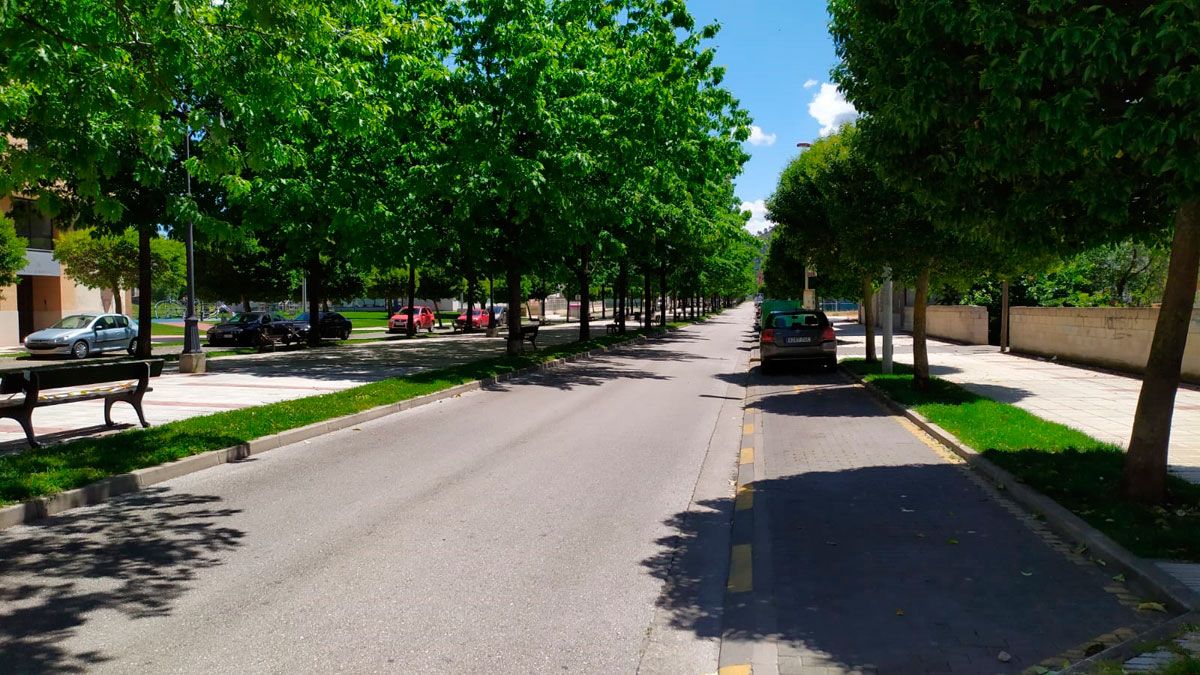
pixel 1059 124
pixel 12 252
pixel 99 260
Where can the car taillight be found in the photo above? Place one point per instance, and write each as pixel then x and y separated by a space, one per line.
pixel 768 335
pixel 828 334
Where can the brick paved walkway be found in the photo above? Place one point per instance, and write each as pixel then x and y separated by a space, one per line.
pixel 887 555
pixel 1096 402
pixel 241 381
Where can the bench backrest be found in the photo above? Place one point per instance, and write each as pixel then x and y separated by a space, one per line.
pixel 56 377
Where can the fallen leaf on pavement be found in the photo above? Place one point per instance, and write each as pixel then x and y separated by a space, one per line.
pixel 1004 657
pixel 1152 607
pixel 1026 574
pixel 899 612
pixel 952 541
pixel 1119 577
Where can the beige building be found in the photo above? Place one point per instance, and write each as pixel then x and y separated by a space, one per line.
pixel 45 293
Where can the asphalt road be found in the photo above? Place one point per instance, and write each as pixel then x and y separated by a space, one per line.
pixel 534 526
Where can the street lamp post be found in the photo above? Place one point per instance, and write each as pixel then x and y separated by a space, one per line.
pixel 192 359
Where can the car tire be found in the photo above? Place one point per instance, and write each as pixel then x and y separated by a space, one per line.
pixel 80 349
pixel 831 363
pixel 132 347
pixel 766 367
pixel 345 334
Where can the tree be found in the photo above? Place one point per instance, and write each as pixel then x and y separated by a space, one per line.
pixel 1043 113
pixel 12 252
pixel 99 260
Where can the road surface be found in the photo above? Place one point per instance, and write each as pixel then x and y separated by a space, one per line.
pixel 525 528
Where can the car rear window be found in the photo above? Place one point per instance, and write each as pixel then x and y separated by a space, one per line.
pixel 803 320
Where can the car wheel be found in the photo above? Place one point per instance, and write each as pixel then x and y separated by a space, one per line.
pixel 133 346
pixel 766 367
pixel 831 363
pixel 80 349
pixel 345 334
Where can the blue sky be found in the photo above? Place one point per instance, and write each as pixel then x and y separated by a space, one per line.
pixel 778 54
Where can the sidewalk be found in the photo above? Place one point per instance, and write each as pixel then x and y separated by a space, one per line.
pixel 1097 402
pixel 234 382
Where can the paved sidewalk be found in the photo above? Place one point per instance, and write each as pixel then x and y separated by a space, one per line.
pixel 240 381
pixel 1097 402
pixel 887 555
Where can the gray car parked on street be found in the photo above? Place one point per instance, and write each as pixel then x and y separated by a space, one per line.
pixel 797 335
pixel 81 334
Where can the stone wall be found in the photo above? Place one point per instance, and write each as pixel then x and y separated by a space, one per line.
pixel 1112 337
pixel 963 323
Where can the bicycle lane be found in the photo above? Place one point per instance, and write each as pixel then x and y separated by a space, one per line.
pixel 876 550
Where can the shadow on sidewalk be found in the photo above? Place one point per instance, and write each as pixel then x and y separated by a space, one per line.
pixel 135 555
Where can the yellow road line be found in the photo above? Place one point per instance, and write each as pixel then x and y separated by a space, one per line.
pixel 740 669
pixel 748 429
pixel 741 570
pixel 747 456
pixel 745 498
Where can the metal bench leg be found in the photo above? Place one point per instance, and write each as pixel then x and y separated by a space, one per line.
pixel 24 417
pixel 108 404
pixel 133 398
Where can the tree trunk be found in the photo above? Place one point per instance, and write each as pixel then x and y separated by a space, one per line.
pixel 585 294
pixel 1145 472
pixel 647 306
pixel 1004 316
pixel 245 304
pixel 491 303
pixel 437 313
pixel 920 346
pixel 512 276
pixel 622 292
pixel 118 308
pixel 469 326
pixel 662 299
pixel 411 328
pixel 869 316
pixel 315 288
pixel 145 306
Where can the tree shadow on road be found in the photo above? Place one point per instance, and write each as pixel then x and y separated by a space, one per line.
pixel 906 568
pixel 135 555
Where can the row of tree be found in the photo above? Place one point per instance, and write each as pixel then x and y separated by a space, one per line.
pixel 994 138
pixel 343 142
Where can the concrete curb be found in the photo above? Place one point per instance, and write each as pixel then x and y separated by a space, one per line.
pixel 1128 649
pixel 102 490
pixel 1179 597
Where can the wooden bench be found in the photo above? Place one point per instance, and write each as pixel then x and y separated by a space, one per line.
pixel 529 332
pixel 126 381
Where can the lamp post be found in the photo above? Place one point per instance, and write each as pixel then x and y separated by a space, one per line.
pixel 192 359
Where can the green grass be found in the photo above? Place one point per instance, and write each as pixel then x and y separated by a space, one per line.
pixel 76 463
pixel 1079 472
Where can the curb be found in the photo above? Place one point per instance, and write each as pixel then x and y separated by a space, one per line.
pixel 1179 597
pixel 134 481
pixel 1128 649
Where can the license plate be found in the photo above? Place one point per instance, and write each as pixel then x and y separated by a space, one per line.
pixel 797 340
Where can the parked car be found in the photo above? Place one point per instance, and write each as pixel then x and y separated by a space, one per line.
pixel 250 329
pixel 797 335
pixel 424 318
pixel 81 334
pixel 333 325
pixel 479 319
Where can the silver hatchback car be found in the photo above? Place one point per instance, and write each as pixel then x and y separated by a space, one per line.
pixel 797 335
pixel 79 335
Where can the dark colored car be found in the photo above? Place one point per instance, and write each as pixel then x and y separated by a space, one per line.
pixel 248 329
pixel 797 335
pixel 333 325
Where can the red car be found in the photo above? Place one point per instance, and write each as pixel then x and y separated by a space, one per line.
pixel 399 321
pixel 479 319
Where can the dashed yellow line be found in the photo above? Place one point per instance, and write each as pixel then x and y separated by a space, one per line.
pixel 748 429
pixel 741 570
pixel 740 669
pixel 745 498
pixel 747 456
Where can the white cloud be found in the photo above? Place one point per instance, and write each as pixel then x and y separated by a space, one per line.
pixel 759 137
pixel 809 84
pixel 831 109
pixel 758 215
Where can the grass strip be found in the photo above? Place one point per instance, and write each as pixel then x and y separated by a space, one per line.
pixel 1076 470
pixel 50 470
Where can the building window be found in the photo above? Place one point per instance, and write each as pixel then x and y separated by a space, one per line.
pixel 32 224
